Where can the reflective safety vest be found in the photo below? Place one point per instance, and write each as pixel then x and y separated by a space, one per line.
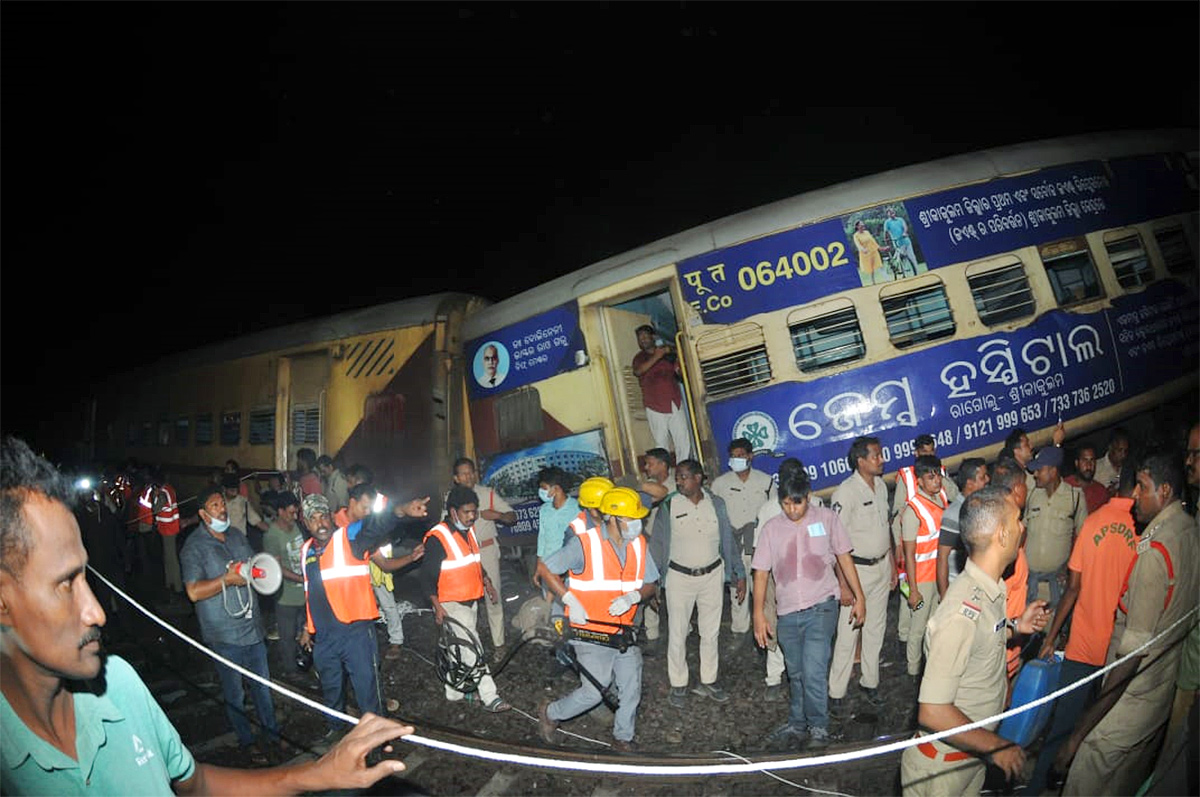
pixel 167 516
pixel 579 523
pixel 346 579
pixel 908 474
pixel 930 516
pixel 461 579
pixel 604 578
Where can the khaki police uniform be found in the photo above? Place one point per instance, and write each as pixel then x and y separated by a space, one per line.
pixel 1051 523
pixel 489 556
pixel 742 500
pixel 863 511
pixel 964 651
pixel 1118 754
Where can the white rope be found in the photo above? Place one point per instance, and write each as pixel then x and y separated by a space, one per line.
pixel 678 770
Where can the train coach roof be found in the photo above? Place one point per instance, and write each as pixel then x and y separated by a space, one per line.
pixel 392 315
pixel 828 202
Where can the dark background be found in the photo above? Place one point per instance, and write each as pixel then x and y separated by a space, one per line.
pixel 180 173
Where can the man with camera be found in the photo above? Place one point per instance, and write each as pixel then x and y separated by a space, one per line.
pixel 656 367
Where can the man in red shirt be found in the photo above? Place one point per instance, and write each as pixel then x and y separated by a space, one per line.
pixel 656 367
pixel 1084 477
pixel 1103 552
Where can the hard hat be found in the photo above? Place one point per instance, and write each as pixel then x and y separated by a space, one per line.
pixel 623 502
pixel 592 490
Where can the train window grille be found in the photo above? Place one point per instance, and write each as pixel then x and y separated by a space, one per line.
pixel 519 415
pixel 262 426
pixel 1176 253
pixel 1001 291
pixel 1072 273
pixel 733 359
pixel 832 337
pixel 204 429
pixel 182 429
pixel 1129 260
pixel 918 316
pixel 231 428
pixel 306 425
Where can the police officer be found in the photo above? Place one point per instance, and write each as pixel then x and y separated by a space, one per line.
pixel 744 489
pixel 964 677
pixel 861 504
pixel 611 573
pixel 1054 514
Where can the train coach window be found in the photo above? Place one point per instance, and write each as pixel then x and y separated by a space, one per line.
pixel 231 428
pixel 1128 258
pixel 1176 253
pixel 1001 291
pixel 826 335
pixel 1071 271
pixel 306 424
pixel 519 414
pixel 733 359
pixel 204 429
pixel 262 426
pixel 182 427
pixel 917 315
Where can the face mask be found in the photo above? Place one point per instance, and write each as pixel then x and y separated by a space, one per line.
pixel 631 530
pixel 544 494
pixel 459 525
pixel 738 464
pixel 218 525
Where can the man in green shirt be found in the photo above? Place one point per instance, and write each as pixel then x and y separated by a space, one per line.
pixel 283 540
pixel 74 723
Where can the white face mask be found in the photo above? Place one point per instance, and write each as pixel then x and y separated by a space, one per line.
pixel 457 524
pixel 631 529
pixel 738 464
pixel 218 525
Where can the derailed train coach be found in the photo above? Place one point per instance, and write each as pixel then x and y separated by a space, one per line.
pixel 1021 285
pixel 380 387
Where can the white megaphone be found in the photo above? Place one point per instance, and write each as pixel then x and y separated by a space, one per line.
pixel 262 572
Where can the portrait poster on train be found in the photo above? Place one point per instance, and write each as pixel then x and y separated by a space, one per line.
pixel 971 393
pixel 523 353
pixel 900 239
pixel 514 474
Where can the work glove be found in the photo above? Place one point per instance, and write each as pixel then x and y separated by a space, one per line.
pixel 622 603
pixel 575 608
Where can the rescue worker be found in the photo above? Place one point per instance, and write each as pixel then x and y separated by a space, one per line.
pixel 920 523
pixel 964 678
pixel 743 488
pixel 493 509
pixel 924 445
pixel 693 536
pixel 455 581
pixel 611 573
pixel 860 502
pixel 590 493
pixel 1117 740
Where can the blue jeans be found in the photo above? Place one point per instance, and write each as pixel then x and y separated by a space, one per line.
pixel 1037 578
pixel 806 639
pixel 1068 710
pixel 253 658
pixel 350 649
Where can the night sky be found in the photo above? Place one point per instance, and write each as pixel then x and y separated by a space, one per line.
pixel 180 173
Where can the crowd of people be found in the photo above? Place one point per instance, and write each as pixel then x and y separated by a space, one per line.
pixel 994 565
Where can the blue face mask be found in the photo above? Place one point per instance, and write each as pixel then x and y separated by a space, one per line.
pixel 544 495
pixel 632 528
pixel 218 525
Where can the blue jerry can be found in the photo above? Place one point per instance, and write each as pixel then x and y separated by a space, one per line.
pixel 1038 678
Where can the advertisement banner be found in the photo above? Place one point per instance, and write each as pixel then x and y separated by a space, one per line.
pixel 514 474
pixel 524 353
pixel 971 393
pixel 889 242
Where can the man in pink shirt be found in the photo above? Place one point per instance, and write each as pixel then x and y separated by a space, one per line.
pixel 800 548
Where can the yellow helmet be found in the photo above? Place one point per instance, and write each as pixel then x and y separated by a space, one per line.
pixel 623 502
pixel 592 490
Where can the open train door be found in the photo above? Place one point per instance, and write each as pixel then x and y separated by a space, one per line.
pixel 620 323
pixel 302 382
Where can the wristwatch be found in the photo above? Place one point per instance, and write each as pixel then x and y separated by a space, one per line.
pixel 1011 622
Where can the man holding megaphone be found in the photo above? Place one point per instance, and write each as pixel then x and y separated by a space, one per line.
pixel 217 574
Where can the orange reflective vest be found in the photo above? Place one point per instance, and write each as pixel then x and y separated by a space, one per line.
pixel 908 474
pixel 167 517
pixel 461 579
pixel 930 516
pixel 604 578
pixel 346 579
pixel 579 523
